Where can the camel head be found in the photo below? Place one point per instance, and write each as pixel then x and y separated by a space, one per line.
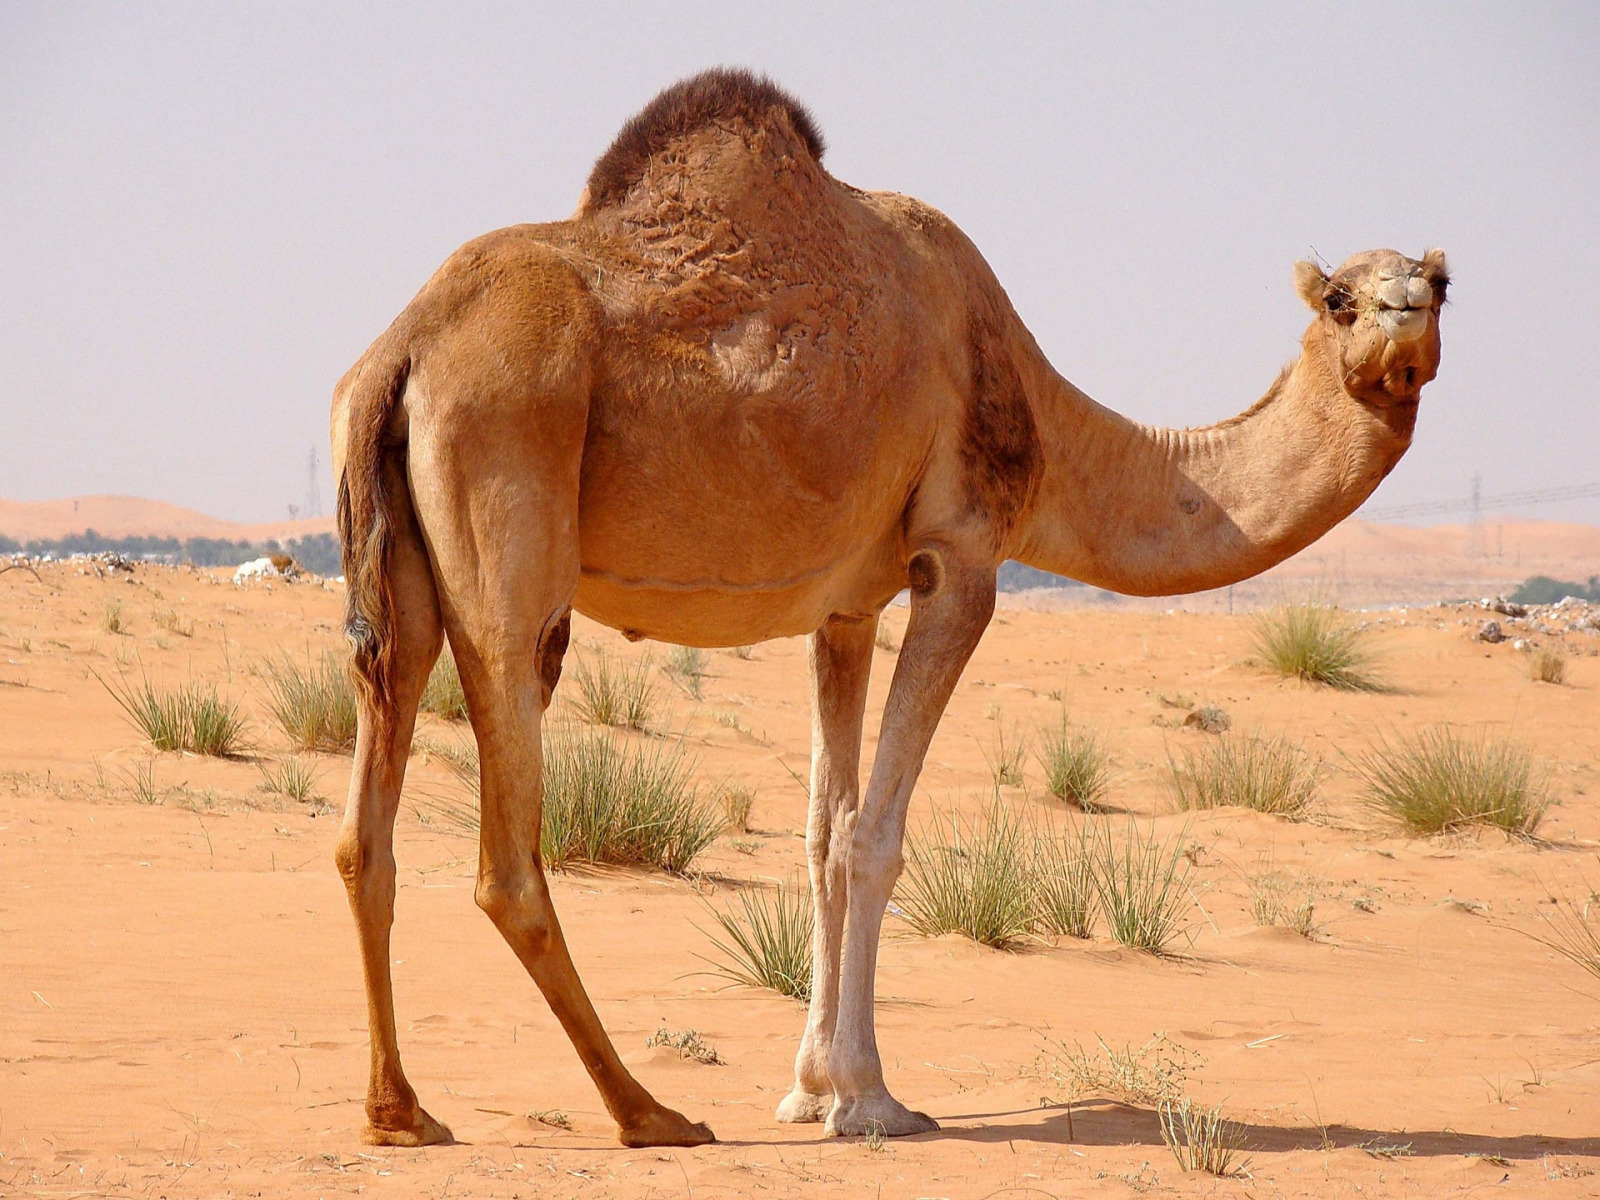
pixel 1379 317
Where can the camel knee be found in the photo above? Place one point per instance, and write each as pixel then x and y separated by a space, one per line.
pixel 364 868
pixel 519 911
pixel 874 861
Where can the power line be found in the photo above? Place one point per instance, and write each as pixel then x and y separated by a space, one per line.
pixel 1477 502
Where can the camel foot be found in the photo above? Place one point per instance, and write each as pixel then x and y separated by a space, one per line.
pixel 801 1107
pixel 422 1130
pixel 880 1114
pixel 663 1127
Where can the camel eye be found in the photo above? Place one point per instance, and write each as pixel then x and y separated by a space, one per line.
pixel 1335 300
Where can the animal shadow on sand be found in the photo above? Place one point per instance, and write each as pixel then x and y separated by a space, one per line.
pixel 1108 1123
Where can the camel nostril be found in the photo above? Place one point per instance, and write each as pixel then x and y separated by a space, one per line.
pixel 1411 377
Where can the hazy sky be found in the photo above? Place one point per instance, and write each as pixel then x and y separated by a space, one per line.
pixel 208 211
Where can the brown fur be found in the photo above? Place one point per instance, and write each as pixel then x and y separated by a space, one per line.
pixel 721 94
pixel 1000 451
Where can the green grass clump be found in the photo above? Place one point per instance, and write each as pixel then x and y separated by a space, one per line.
pixel 1201 1139
pixel 973 878
pixel 443 695
pixel 1077 768
pixel 1064 882
pixel 1270 775
pixel 1144 887
pixel 607 800
pixel 768 940
pixel 1314 643
pixel 189 716
pixel 614 692
pixel 1440 779
pixel 313 704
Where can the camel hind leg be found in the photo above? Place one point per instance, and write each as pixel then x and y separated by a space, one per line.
pixel 365 852
pixel 500 509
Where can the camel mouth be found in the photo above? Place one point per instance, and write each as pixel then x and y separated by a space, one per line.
pixel 1403 324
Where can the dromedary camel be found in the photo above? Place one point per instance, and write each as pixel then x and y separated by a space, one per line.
pixel 731 399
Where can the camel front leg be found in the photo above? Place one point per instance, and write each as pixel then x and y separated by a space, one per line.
pixel 952 600
pixel 841 662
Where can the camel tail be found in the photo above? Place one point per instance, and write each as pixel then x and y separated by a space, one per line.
pixel 369 516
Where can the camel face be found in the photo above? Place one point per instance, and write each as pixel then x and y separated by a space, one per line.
pixel 1380 312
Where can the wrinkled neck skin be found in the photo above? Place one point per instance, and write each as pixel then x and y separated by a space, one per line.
pixel 1157 512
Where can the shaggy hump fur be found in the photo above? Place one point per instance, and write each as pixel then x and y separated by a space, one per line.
pixel 690 104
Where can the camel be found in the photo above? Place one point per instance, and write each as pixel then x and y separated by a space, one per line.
pixel 732 399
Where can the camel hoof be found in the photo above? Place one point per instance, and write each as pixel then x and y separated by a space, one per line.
pixel 801 1107
pixel 422 1131
pixel 880 1115
pixel 665 1128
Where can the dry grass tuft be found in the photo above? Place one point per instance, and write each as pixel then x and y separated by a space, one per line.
pixel 1313 642
pixel 1077 768
pixel 1438 779
pixel 736 801
pixel 688 1043
pixel 168 621
pixel 606 800
pixel 614 692
pixel 973 878
pixel 1286 902
pixel 768 940
pixel 1155 1073
pixel 1201 1139
pixel 111 618
pixel 314 705
pixel 443 696
pixel 1269 775
pixel 1574 930
pixel 190 716
pixel 1547 664
pixel 1064 882
pixel 1006 754
pixel 686 666
pixel 1144 887
pixel 291 779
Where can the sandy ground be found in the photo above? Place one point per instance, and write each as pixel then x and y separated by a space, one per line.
pixel 181 1010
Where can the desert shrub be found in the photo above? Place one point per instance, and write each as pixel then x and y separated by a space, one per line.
pixel 607 800
pixel 1201 1139
pixel 686 666
pixel 1313 642
pixel 189 716
pixel 768 940
pixel 313 704
pixel 1077 768
pixel 1270 775
pixel 1006 754
pixel 1547 664
pixel 1156 1072
pixel 744 653
pixel 970 877
pixel 1064 882
pixel 443 695
pixel 1541 589
pixel 1439 779
pixel 1144 887
pixel 614 692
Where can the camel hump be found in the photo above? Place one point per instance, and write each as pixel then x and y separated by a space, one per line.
pixel 717 96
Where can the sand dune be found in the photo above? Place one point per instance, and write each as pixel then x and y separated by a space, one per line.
pixel 131 516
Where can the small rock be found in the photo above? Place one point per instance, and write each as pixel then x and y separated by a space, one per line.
pixel 1508 609
pixel 1522 644
pixel 1489 631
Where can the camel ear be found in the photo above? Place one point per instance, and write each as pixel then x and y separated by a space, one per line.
pixel 1311 283
pixel 1438 270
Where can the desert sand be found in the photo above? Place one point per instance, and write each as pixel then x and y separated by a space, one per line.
pixel 181 1007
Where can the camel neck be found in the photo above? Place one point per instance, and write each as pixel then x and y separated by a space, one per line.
pixel 1151 511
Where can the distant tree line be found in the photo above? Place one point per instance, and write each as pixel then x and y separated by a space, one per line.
pixel 318 553
pixel 1541 589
